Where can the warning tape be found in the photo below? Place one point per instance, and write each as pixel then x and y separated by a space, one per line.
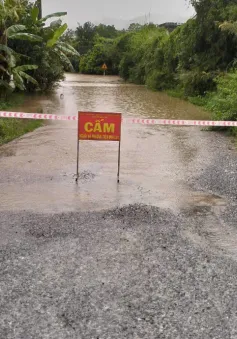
pixel 21 115
pixel 179 122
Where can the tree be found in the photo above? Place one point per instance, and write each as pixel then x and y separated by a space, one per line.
pixel 69 36
pixel 11 75
pixel 170 26
pixel 106 31
pixel 51 53
pixel 32 56
pixel 134 27
pixel 85 37
pixel 103 51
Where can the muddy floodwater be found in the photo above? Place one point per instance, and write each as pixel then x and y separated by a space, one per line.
pixel 38 169
pixel 152 257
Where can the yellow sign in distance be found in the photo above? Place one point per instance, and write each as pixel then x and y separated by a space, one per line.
pixel 104 67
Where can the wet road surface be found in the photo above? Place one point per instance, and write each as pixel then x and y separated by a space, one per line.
pixel 152 257
pixel 152 158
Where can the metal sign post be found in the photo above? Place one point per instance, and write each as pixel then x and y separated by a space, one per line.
pixel 78 143
pixel 104 67
pixel 99 127
pixel 119 152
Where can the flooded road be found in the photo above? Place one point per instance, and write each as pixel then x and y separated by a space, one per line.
pixel 155 161
pixel 152 257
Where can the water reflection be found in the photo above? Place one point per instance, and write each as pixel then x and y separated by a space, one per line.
pixel 43 163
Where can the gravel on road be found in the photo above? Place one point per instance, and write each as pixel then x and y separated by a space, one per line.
pixel 128 272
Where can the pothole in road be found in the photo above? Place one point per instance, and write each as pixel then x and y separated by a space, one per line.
pixel 208 200
pixel 203 204
pixel 86 176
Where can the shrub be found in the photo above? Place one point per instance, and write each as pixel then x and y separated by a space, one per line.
pixel 197 83
pixel 160 80
pixel 223 102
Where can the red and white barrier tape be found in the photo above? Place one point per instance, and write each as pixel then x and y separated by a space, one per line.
pixel 20 115
pixel 179 122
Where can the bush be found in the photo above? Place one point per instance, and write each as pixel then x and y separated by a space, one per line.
pixel 159 80
pixel 137 74
pixel 102 52
pixel 223 102
pixel 197 83
pixel 50 72
pixel 199 100
pixel 126 64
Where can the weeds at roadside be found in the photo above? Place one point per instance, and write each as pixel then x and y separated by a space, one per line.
pixel 11 129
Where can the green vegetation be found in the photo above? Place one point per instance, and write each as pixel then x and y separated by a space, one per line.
pixel 14 128
pixel 15 100
pixel 196 61
pixel 33 56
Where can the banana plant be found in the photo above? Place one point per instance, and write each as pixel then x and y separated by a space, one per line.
pixel 14 76
pixel 19 76
pixel 17 32
pixel 11 75
pixel 51 35
pixel 27 25
pixel 9 72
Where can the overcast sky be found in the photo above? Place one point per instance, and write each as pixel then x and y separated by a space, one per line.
pixel 101 10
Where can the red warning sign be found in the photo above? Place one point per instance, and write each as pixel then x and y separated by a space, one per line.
pixel 99 126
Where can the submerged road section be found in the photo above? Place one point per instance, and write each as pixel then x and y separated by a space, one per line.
pixel 153 257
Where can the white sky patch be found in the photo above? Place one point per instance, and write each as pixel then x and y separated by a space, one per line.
pixel 120 13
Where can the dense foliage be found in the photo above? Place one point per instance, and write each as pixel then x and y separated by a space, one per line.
pixel 32 56
pixel 194 60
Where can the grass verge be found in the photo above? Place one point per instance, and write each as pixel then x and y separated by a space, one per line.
pixel 222 103
pixel 11 129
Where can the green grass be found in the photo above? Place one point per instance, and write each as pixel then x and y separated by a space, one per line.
pixel 11 129
pixel 179 93
pixel 176 93
pixel 13 101
pixel 198 101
